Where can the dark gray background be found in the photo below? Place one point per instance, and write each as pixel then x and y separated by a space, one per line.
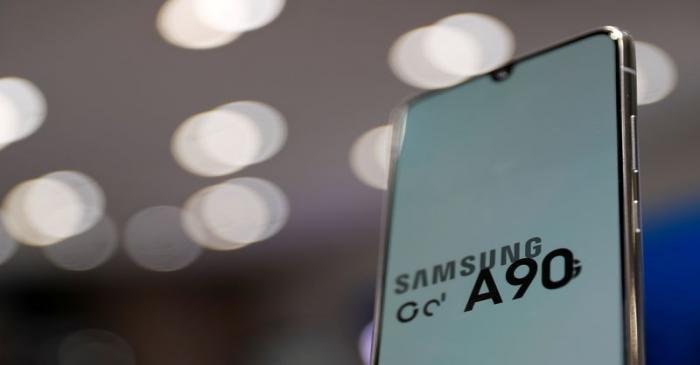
pixel 116 91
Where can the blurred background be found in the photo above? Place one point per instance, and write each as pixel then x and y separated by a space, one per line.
pixel 201 181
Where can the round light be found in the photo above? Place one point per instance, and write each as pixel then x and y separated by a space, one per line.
pixel 452 50
pixel 186 147
pixel 95 347
pixel 51 208
pixel 236 213
pixel 475 43
pixel 238 15
pixel 15 218
pixel 85 251
pixel 155 240
pixel 22 109
pixel 89 195
pixel 365 343
pixel 228 138
pixel 411 63
pixel 656 73
pixel 370 157
pixel 268 122
pixel 8 246
pixel 179 25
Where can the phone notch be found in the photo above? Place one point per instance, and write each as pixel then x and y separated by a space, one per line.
pixel 502 73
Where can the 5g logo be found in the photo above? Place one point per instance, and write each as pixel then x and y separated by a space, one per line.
pixel 410 310
pixel 572 269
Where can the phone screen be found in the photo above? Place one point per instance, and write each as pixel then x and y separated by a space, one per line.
pixel 504 237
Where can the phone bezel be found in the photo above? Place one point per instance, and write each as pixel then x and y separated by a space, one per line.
pixel 630 221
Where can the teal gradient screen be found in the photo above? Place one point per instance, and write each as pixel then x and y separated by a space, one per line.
pixel 504 239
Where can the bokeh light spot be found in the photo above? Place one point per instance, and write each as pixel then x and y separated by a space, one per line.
pixel 370 157
pixel 486 43
pixel 365 343
pixel 155 239
pixel 269 123
pixel 229 138
pixel 22 109
pixel 656 73
pixel 410 62
pixel 85 251
pixel 179 24
pixel 51 208
pixel 236 213
pixel 88 347
pixel 238 15
pixel 451 50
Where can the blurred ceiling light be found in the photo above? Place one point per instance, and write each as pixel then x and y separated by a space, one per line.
pixel 238 15
pixel 8 246
pixel 22 109
pixel 87 250
pixel 451 50
pixel 409 60
pixel 179 24
pixel 189 138
pixel 370 157
pixel 155 240
pixel 365 343
pixel 51 208
pixel 656 73
pixel 269 122
pixel 229 138
pixel 235 213
pixel 95 347
pixel 484 43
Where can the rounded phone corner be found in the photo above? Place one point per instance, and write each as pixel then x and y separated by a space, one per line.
pixel 614 32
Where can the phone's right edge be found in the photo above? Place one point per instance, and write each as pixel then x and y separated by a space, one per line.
pixel 629 198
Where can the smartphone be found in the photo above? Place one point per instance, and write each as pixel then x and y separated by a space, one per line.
pixel 512 233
